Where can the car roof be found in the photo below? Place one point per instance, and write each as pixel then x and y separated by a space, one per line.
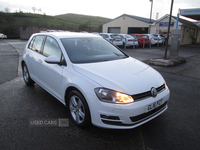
pixel 137 34
pixel 148 34
pixel 68 34
pixel 110 33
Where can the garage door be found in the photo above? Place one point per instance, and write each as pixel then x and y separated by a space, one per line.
pixel 137 30
pixel 113 29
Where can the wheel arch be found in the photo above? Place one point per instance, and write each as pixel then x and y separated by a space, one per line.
pixel 68 90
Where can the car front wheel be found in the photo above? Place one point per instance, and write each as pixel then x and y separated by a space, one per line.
pixel 79 110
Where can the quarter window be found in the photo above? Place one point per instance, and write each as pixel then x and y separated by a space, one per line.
pixel 51 47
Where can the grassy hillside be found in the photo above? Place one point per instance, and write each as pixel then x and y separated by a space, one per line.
pixel 95 19
pixel 10 22
pixel 85 22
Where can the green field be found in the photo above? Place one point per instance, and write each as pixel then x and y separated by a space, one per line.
pixel 10 22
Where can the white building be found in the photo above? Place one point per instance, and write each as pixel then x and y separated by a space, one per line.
pixel 190 31
pixel 127 24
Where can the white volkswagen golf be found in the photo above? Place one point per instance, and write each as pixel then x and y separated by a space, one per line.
pixel 99 83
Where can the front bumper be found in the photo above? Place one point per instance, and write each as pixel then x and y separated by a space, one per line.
pixel 126 116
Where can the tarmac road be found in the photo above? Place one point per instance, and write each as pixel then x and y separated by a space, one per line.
pixel 177 128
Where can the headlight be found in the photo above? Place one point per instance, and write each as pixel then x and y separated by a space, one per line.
pixel 111 96
pixel 166 85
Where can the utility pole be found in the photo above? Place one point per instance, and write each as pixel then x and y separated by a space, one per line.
pixel 165 57
pixel 150 16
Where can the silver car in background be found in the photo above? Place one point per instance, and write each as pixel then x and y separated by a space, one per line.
pixel 160 37
pixel 154 40
pixel 3 36
pixel 129 40
pixel 113 38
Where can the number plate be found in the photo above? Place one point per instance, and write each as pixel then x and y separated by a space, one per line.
pixel 154 105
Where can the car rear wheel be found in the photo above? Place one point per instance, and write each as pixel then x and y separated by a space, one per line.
pixel 79 110
pixel 26 75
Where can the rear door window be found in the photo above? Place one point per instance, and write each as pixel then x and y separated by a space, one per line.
pixel 36 43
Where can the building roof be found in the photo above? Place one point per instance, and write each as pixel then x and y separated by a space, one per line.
pixel 197 23
pixel 146 20
pixel 180 21
pixel 187 23
pixel 191 13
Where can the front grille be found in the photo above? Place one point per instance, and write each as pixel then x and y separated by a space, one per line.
pixel 160 88
pixel 140 96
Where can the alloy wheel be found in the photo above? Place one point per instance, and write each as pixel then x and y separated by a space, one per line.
pixel 77 109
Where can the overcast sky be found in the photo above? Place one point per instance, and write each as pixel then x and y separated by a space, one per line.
pixel 104 8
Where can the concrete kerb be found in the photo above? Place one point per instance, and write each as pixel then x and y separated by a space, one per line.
pixel 167 62
pixel 157 59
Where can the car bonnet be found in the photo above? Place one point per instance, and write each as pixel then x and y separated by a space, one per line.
pixel 126 75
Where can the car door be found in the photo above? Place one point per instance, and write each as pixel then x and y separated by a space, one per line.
pixel 33 56
pixel 51 74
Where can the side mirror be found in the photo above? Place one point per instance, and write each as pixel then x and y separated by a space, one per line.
pixel 52 60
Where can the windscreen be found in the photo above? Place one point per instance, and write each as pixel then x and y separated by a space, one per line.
pixel 115 36
pixel 92 49
pixel 136 36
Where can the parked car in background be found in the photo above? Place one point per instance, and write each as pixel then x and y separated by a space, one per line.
pixel 141 38
pixel 136 38
pixel 99 83
pixel 95 33
pixel 129 40
pixel 160 37
pixel 113 38
pixel 3 36
pixel 154 40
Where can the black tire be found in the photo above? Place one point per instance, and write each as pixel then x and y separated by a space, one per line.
pixel 78 109
pixel 26 75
